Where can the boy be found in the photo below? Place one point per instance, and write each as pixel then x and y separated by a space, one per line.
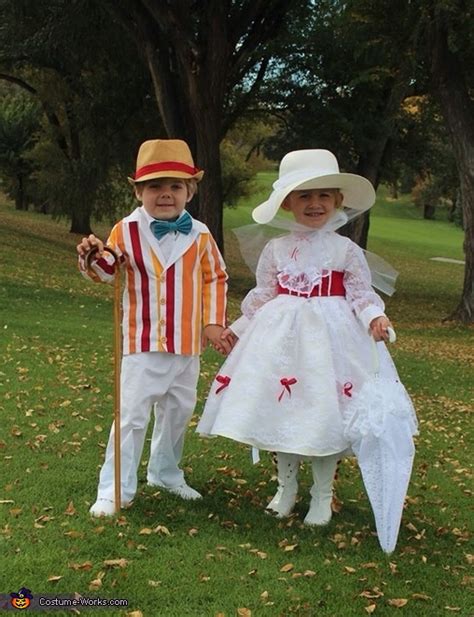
pixel 175 284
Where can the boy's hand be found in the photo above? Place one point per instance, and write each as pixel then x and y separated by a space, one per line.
pixel 378 328
pixel 215 334
pixel 88 244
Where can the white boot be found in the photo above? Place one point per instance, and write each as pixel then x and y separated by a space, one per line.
pixel 324 468
pixel 285 498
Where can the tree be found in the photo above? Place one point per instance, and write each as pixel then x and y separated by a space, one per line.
pixel 72 58
pixel 342 83
pixel 207 60
pixel 19 123
pixel 450 56
pixel 242 156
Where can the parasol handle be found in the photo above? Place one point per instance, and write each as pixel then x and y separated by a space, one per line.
pixel 392 337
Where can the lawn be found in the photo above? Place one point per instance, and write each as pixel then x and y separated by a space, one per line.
pixel 223 556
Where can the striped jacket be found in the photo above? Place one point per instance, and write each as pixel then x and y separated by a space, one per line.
pixel 165 302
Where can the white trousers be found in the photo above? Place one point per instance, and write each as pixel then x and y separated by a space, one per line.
pixel 168 381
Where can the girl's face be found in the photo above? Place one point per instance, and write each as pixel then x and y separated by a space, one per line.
pixel 312 207
pixel 163 198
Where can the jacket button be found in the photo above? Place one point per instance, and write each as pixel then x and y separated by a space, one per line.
pixel 162 301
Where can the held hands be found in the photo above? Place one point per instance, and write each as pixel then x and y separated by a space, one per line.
pixel 89 243
pixel 222 339
pixel 378 328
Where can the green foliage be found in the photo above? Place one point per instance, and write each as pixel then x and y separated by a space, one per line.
pixel 19 124
pixel 74 59
pixel 242 157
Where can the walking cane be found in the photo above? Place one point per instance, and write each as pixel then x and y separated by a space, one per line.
pixel 117 360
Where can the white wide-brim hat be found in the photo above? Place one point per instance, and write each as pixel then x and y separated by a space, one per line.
pixel 314 169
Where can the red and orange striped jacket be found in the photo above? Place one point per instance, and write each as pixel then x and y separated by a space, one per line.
pixel 166 302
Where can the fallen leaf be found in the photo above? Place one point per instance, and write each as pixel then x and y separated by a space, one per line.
pixel 119 563
pixel 372 594
pixel 70 510
pixel 87 565
pixel 287 567
pixel 349 569
pixel 154 583
pixel 420 596
pixel 162 529
pixel 244 612
pixel 54 579
pixel 370 608
pixel 95 584
pixel 398 602
pixel 74 534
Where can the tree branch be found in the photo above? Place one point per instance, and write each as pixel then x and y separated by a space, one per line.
pixel 245 99
pixel 48 111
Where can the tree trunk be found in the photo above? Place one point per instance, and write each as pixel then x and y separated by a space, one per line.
pixel 368 167
pixel 210 209
pixel 429 212
pixel 370 161
pixel 80 222
pixel 457 108
pixel 20 197
pixel 191 105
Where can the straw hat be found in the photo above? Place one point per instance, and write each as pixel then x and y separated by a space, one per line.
pixel 315 169
pixel 165 158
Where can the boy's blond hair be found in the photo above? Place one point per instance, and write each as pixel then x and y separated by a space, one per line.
pixel 191 185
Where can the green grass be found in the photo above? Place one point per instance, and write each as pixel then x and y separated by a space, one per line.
pixel 222 554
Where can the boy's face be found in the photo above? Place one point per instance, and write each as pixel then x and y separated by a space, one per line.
pixel 312 207
pixel 163 198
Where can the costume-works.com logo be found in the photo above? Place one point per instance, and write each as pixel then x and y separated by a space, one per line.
pixel 22 599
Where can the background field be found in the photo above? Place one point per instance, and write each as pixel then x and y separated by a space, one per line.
pixel 223 555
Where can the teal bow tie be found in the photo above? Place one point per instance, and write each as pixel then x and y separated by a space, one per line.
pixel 160 228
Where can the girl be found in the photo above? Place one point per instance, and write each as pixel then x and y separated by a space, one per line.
pixel 305 344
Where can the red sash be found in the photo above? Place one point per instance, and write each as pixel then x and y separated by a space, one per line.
pixel 331 285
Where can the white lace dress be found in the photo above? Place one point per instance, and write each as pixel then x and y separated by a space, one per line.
pixel 299 360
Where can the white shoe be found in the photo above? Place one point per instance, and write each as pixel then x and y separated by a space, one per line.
pixel 105 507
pixel 183 490
pixel 284 500
pixel 324 468
pixel 320 512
